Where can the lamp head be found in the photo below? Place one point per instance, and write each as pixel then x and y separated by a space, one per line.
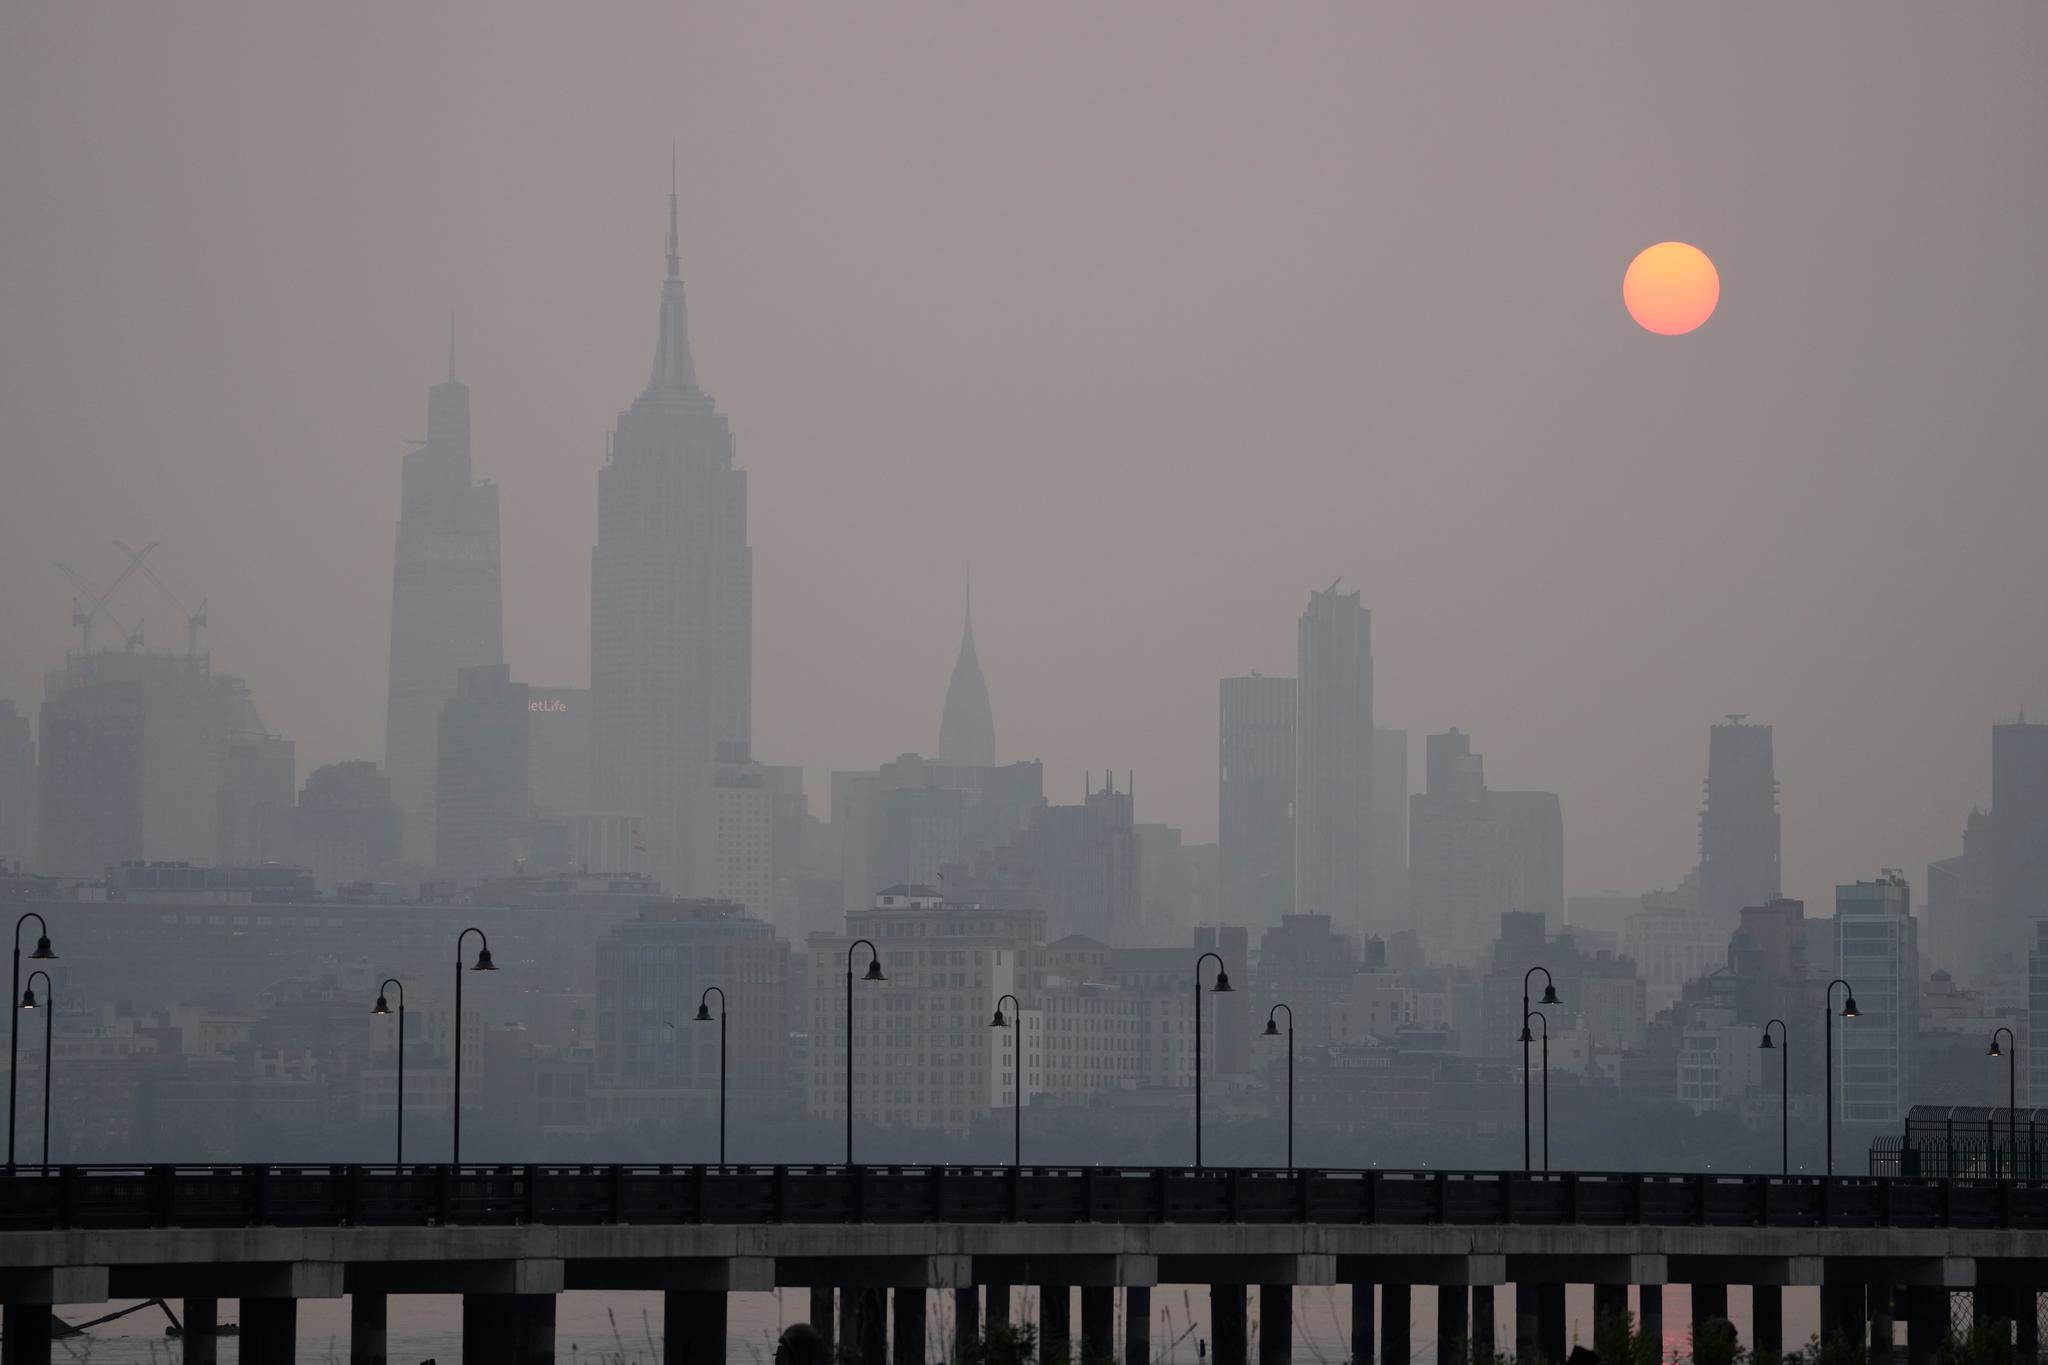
pixel 1767 1045
pixel 1995 1050
pixel 483 961
pixel 998 1021
pixel 703 1015
pixel 1222 980
pixel 380 1007
pixel 874 972
pixel 42 952
pixel 1849 1008
pixel 28 998
pixel 1549 995
pixel 1527 1037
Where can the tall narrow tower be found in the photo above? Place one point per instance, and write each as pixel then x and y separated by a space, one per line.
pixel 967 729
pixel 1740 838
pixel 447 610
pixel 1333 761
pixel 671 597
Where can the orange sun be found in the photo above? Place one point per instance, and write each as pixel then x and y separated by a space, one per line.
pixel 1671 288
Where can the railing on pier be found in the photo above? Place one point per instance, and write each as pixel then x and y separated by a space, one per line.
pixel 306 1195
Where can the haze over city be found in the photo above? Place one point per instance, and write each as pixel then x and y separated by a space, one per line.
pixel 1033 623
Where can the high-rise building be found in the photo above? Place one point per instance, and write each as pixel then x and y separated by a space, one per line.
pixel 2036 1078
pixel 1739 827
pixel 902 822
pixel 20 788
pixel 967 728
pixel 671 596
pixel 447 610
pixel 1984 905
pixel 1333 787
pixel 1390 830
pixel 1255 798
pixel 481 782
pixel 1475 852
pixel 654 1066
pixel 346 825
pixel 558 748
pixel 259 782
pixel 1877 951
pixel 132 744
pixel 747 831
pixel 1084 861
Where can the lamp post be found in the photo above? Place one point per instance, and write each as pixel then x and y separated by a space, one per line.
pixel 28 1002
pixel 1549 998
pixel 2012 1092
pixel 1273 1031
pixel 1017 1068
pixel 1784 1092
pixel 1222 984
pixel 381 1008
pixel 704 1017
pixel 874 973
pixel 1544 1020
pixel 41 954
pixel 483 964
pixel 1828 1059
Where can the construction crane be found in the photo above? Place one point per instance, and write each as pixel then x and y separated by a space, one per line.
pixel 131 637
pixel 195 621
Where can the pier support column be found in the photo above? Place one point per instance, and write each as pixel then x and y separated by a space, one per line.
pixel 202 1332
pixel 821 1316
pixel 1926 1321
pixel 1988 1303
pixel 997 1308
pixel 1650 1314
pixel 1526 1334
pixel 909 1346
pixel 1138 1325
pixel 1482 1323
pixel 270 1331
pixel 1396 1339
pixel 1276 1324
pixel 1229 1332
pixel 367 1318
pixel 2026 1324
pixel 25 1334
pixel 1098 1323
pixel 1453 1324
pixel 1842 1313
pixel 693 1325
pixel 1550 1323
pixel 1610 1301
pixel 1766 1320
pixel 1364 1342
pixel 1883 1329
pixel 966 1319
pixel 533 1329
pixel 1709 1301
pixel 869 1333
pixel 1055 1319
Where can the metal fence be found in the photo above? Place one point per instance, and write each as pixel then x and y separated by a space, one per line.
pixel 427 1195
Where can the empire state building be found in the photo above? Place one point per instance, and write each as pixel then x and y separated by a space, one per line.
pixel 671 599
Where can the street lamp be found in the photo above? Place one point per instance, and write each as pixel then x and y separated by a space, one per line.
pixel 1549 998
pixel 1784 1092
pixel 1828 1059
pixel 2012 1103
pixel 1222 984
pixel 1544 1020
pixel 704 1017
pixel 1273 1031
pixel 874 973
pixel 1017 1068
pixel 483 964
pixel 381 1008
pixel 28 1002
pixel 41 954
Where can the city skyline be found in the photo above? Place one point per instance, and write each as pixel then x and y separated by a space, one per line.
pixel 1874 782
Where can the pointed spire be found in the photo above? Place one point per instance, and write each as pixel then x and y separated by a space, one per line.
pixel 672 364
pixel 967 727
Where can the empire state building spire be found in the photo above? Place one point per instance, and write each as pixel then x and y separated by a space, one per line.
pixel 673 368
pixel 967 730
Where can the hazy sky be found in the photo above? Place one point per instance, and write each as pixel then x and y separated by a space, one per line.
pixel 1156 315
